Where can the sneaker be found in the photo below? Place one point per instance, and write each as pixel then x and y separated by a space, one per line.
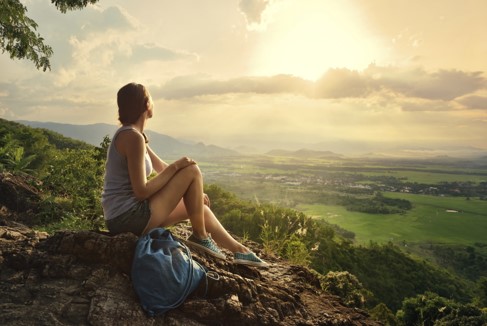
pixel 208 245
pixel 249 258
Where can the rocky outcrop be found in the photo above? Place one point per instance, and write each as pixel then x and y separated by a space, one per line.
pixel 83 278
pixel 19 193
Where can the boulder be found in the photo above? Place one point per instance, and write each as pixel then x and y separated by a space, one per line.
pixel 83 278
pixel 19 193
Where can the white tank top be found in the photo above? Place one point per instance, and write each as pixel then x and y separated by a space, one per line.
pixel 117 196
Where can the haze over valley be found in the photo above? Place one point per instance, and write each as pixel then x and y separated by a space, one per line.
pixel 173 147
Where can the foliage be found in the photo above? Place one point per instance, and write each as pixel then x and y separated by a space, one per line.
pixel 15 160
pixel 18 36
pixel 383 269
pixel 61 142
pixel 346 286
pixel 297 252
pixel 18 32
pixel 378 204
pixel 431 309
pixel 77 174
pixel 65 5
pixel 270 239
pixel 36 149
pixel 12 156
pixel 37 142
pixel 67 222
pixel 71 172
pixel 388 272
pixel 289 245
pixel 282 231
pixel 467 261
pixel 383 314
pixel 482 292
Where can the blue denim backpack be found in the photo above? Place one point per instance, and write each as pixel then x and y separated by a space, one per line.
pixel 163 272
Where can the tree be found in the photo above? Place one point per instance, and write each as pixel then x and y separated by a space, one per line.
pixel 77 175
pixel 383 314
pixel 18 32
pixel 482 289
pixel 430 309
pixel 346 286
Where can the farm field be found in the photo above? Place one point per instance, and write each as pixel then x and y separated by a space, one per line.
pixel 433 219
pixel 448 198
pixel 430 176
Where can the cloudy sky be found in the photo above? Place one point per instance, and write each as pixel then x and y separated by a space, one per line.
pixel 343 75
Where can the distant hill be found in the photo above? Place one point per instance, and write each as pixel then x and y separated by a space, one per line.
pixel 304 153
pixel 165 146
pixel 92 134
pixel 58 140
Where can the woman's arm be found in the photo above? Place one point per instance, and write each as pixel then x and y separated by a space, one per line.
pixel 131 144
pixel 158 164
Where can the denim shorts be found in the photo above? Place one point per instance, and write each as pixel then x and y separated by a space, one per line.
pixel 134 220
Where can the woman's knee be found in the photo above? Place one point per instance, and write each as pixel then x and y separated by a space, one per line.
pixel 193 170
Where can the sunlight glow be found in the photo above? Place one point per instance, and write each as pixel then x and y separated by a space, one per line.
pixel 305 38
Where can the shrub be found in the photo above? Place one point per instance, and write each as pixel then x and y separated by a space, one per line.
pixel 347 287
pixel 430 309
pixel 297 252
pixel 383 314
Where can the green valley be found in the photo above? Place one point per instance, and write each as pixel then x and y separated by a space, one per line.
pixel 432 219
pixel 380 233
pixel 448 198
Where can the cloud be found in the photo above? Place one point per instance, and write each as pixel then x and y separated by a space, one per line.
pixel 6 113
pixel 425 105
pixel 192 86
pixel 59 28
pixel 95 37
pixel 339 83
pixel 95 51
pixel 253 11
pixel 147 52
pixel 448 84
pixel 25 97
pixel 424 90
pixel 413 82
pixel 110 18
pixel 12 95
pixel 474 102
pixel 416 82
pixel 96 45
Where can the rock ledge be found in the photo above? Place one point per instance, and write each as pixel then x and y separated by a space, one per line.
pixel 83 278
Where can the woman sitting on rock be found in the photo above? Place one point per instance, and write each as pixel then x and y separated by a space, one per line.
pixel 132 203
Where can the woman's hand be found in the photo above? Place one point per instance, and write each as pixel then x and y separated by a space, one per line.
pixel 206 200
pixel 183 162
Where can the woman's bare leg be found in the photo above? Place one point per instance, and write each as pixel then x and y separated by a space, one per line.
pixel 220 234
pixel 182 199
pixel 212 225
pixel 188 185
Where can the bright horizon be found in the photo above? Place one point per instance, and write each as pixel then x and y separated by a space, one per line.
pixel 365 75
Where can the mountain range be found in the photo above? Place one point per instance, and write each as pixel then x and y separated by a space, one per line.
pixel 308 153
pixel 165 146
pixel 172 148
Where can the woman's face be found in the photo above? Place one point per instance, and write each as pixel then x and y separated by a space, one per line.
pixel 150 107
